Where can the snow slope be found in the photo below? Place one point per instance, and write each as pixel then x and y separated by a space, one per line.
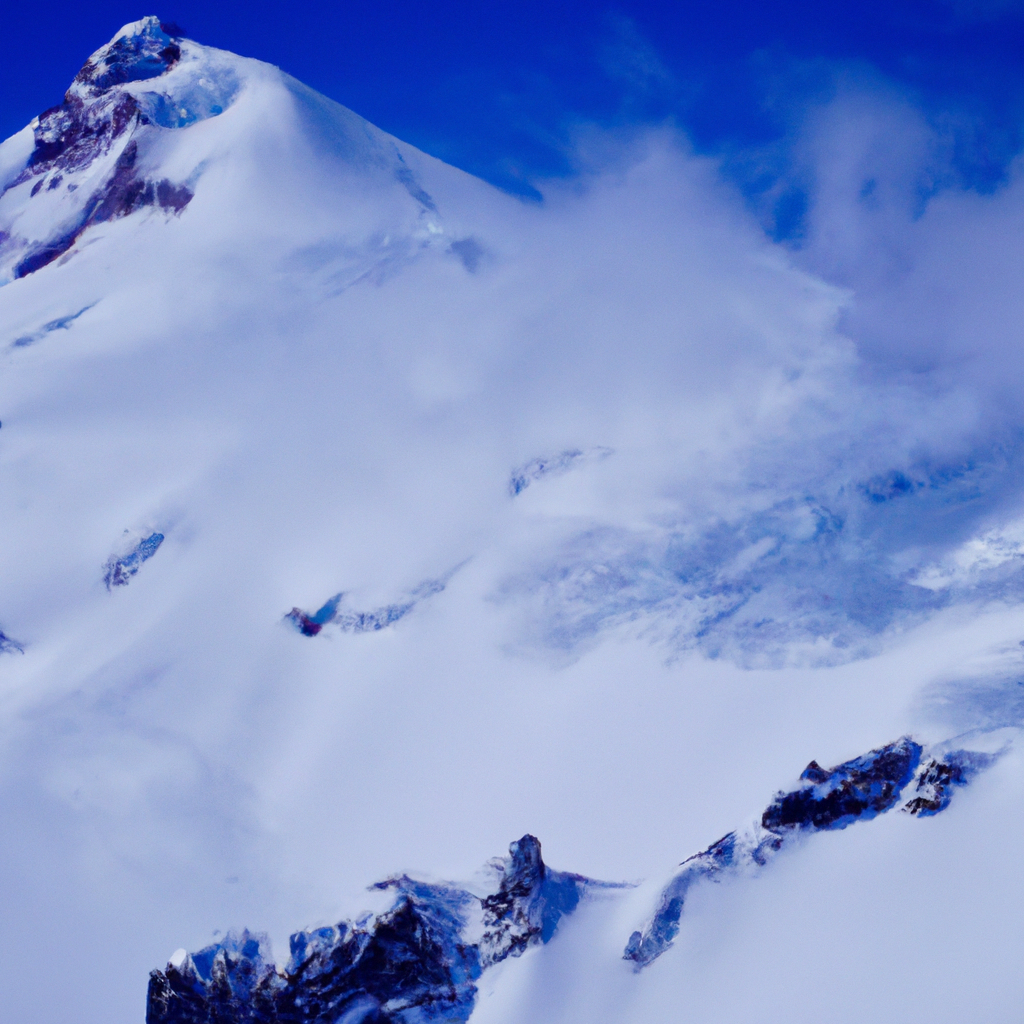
pixel 360 519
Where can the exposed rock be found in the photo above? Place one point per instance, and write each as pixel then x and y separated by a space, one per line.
pixel 351 621
pixel 938 777
pixel 120 570
pixel 735 852
pixel 524 475
pixel 146 53
pixel 858 789
pixel 824 800
pixel 529 903
pixel 412 964
pixel 61 323
pixel 99 119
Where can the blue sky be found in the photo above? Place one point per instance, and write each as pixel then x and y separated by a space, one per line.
pixel 498 88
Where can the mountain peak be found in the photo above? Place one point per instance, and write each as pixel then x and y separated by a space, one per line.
pixel 141 50
pixel 119 144
pixel 86 164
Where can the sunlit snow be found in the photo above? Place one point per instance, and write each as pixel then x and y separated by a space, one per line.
pixel 599 519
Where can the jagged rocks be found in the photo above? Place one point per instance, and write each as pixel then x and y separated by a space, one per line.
pixel 825 800
pixel 412 964
pixel 938 777
pixel 529 903
pixel 857 789
pixel 734 852
pixel 124 193
pixel 349 620
pixel 145 53
pixel 232 981
pixel 405 965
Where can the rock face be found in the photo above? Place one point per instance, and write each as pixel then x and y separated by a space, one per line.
pixel 84 168
pixel 420 960
pixel 824 800
pixel 938 777
pixel 120 570
pixel 349 620
pixel 413 963
pixel 857 790
pixel 529 903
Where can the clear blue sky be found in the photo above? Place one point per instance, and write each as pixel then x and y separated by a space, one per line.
pixel 494 87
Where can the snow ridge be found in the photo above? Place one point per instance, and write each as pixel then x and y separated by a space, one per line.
pixel 522 476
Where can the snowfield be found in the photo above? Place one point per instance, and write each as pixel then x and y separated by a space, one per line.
pixel 360 520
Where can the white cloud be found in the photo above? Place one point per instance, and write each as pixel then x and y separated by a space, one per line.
pixel 301 384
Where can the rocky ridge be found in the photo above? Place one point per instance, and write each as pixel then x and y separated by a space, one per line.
pixel 419 961
pixel 824 800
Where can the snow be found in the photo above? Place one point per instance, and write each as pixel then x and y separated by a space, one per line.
pixel 304 386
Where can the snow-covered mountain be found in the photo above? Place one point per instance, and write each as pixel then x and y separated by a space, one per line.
pixel 359 517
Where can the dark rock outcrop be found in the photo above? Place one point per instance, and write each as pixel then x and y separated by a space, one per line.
pixel 857 790
pixel 826 799
pixel 938 777
pixel 410 965
pixel 529 903
pixel 132 58
pixel 349 620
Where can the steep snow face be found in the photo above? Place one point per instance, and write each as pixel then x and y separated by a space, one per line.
pixel 357 517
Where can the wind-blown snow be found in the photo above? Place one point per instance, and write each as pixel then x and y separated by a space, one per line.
pixel 297 378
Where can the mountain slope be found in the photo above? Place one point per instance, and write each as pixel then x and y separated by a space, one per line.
pixel 276 624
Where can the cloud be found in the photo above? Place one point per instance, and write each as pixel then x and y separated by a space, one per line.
pixel 814 448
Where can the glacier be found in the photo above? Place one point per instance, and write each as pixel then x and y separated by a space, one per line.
pixel 698 535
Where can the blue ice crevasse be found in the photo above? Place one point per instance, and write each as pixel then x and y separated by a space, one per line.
pixel 415 963
pixel 120 570
pixel 824 799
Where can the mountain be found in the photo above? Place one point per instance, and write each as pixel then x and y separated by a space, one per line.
pixel 359 517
